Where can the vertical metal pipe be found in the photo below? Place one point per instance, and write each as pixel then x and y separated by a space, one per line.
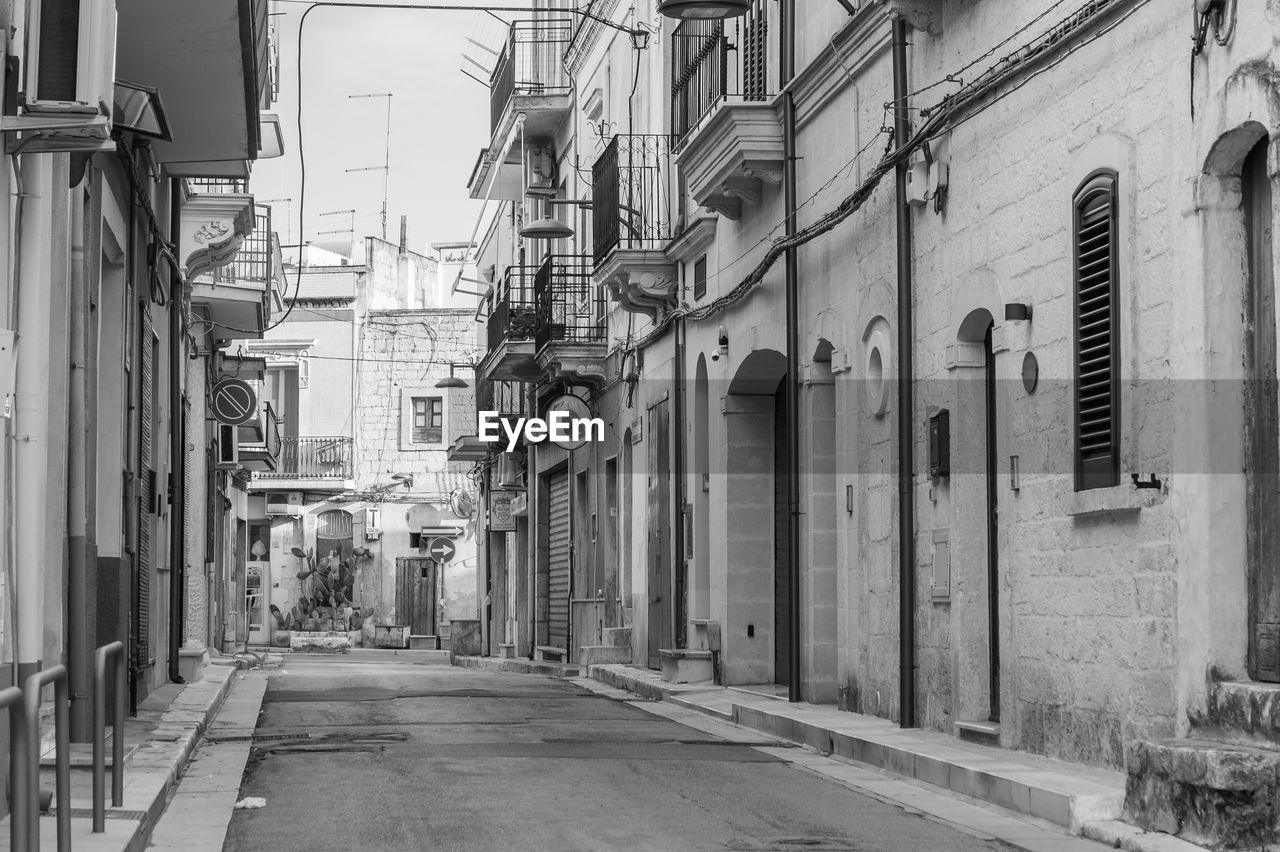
pixel 906 412
pixel 12 699
pixel 178 449
pixel 79 657
pixel 62 757
pixel 793 358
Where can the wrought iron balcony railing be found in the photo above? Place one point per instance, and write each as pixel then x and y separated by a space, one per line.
pixel 514 316
pixel 218 186
pixel 253 263
pixel 631 194
pixel 530 64
pixel 570 309
pixel 324 458
pixel 702 73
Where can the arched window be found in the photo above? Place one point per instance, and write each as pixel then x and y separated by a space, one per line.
pixel 1095 239
pixel 333 534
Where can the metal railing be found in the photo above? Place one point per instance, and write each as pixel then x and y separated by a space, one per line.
pixel 631 194
pixel 103 657
pixel 13 702
pixel 56 675
pixel 514 316
pixel 253 262
pixel 530 64
pixel 570 308
pixel 312 458
pixel 217 186
pixel 702 74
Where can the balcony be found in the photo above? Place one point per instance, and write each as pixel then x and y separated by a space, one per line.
pixel 728 132
pixel 632 223
pixel 309 464
pixel 259 441
pixel 528 80
pixel 571 330
pixel 512 327
pixel 547 323
pixel 231 261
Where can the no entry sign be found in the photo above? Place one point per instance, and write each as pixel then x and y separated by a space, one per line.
pixel 233 401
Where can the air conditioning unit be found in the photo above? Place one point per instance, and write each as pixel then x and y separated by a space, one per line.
pixel 284 503
pixel 509 474
pixel 228 448
pixel 540 170
pixel 69 79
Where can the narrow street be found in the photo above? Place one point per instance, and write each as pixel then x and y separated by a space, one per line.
pixel 385 756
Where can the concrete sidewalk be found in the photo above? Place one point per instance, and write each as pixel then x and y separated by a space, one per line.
pixel 169 724
pixel 1082 800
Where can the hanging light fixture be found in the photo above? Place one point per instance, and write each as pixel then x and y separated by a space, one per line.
pixel 693 9
pixel 453 381
pixel 546 227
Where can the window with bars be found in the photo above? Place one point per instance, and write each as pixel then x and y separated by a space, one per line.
pixel 428 420
pixel 1097 332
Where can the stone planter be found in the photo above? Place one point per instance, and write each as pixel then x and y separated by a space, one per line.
pixel 319 642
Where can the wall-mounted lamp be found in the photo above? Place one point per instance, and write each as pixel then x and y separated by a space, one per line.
pixel 1014 483
pixel 453 381
pixel 1017 312
pixel 692 9
pixel 848 499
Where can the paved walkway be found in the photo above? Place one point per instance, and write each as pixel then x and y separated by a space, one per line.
pixel 1080 799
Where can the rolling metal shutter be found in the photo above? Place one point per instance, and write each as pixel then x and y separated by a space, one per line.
pixel 1097 422
pixel 558 563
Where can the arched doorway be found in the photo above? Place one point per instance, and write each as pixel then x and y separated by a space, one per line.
pixel 757 624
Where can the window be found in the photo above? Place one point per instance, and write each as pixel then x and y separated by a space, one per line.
pixel 428 419
pixel 700 277
pixel 1097 324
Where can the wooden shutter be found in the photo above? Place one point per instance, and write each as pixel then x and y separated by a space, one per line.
pixel 1097 349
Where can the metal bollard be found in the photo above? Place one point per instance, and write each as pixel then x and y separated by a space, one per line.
pixel 11 701
pixel 56 675
pixel 102 658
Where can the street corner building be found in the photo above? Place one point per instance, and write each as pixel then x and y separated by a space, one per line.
pixel 935 344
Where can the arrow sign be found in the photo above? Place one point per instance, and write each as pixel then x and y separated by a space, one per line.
pixel 441 549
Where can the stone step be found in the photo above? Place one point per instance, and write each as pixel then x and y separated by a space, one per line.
pixel 1207 792
pixel 601 655
pixel 1242 713
pixel 418 642
pixel 681 665
pixel 618 637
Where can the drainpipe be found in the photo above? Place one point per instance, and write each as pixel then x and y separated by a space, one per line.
pixel 178 449
pixel 79 656
pixel 31 410
pixel 906 412
pixel 793 354
pixel 677 538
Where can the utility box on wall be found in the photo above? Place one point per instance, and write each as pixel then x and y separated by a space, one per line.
pixel 940 444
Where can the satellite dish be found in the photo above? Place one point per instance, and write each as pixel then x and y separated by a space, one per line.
pixel 462 503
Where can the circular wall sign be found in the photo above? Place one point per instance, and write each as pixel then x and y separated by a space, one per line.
pixel 577 409
pixel 1030 372
pixel 233 401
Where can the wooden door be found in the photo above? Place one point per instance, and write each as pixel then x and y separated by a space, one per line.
pixel 416 595
pixel 659 549
pixel 1262 424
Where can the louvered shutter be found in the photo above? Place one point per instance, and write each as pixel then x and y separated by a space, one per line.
pixel 146 501
pixel 1097 349
pixel 559 562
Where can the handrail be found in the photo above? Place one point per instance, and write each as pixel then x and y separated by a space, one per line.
pixel 11 700
pixel 56 675
pixel 104 656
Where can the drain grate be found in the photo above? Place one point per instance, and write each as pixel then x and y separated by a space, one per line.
pixel 87 813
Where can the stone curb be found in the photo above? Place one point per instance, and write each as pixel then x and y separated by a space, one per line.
pixel 497 664
pixel 1130 838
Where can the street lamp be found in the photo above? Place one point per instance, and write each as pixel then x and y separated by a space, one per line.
pixel 453 381
pixel 703 9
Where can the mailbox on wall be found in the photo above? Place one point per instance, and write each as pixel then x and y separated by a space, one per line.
pixel 940 444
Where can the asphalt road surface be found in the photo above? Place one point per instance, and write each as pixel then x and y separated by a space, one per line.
pixel 375 756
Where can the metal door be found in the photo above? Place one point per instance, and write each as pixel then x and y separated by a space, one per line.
pixel 146 484
pixel 659 551
pixel 559 561
pixel 416 595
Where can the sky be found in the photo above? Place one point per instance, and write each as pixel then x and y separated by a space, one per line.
pixel 439 122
